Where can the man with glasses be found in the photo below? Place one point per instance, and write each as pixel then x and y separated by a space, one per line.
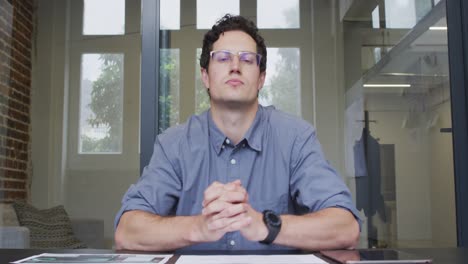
pixel 239 176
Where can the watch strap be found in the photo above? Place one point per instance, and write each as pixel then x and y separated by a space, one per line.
pixel 273 229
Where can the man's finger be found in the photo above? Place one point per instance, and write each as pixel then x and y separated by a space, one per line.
pixel 231 186
pixel 215 207
pixel 213 192
pixel 231 211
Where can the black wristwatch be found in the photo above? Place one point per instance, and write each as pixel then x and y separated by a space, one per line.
pixel 273 224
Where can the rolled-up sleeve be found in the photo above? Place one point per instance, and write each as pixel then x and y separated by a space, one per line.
pixel 315 185
pixel 158 189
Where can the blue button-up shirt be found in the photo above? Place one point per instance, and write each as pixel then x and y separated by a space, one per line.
pixel 279 162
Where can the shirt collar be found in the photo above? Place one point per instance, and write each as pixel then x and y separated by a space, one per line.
pixel 255 132
pixel 253 137
pixel 217 137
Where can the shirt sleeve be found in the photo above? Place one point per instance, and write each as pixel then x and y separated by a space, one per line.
pixel 315 185
pixel 158 189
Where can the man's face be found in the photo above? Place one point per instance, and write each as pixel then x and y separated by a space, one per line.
pixel 232 80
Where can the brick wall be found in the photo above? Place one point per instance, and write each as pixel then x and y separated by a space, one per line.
pixel 16 29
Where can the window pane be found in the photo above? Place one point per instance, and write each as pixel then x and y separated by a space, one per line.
pixel 282 85
pixel 104 17
pixel 405 13
pixel 376 18
pixel 202 100
pixel 209 11
pixel 278 14
pixel 399 156
pixel 169 11
pixel 101 97
pixel 169 76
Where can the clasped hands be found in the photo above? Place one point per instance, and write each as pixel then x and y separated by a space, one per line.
pixel 226 208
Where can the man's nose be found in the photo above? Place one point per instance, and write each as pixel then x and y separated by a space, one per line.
pixel 235 63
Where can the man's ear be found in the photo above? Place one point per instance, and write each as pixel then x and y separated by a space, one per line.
pixel 205 78
pixel 261 80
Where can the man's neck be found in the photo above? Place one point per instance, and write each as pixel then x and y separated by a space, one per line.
pixel 234 123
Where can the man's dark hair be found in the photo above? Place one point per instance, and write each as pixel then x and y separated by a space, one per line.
pixel 229 23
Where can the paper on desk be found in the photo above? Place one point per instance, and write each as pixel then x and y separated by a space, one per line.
pixel 250 259
pixel 48 258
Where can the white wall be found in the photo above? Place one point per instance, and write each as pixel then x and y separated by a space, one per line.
pixel 48 113
pixel 412 174
pixel 424 172
pixel 97 194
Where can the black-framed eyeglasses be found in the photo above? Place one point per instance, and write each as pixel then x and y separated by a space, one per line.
pixel 227 56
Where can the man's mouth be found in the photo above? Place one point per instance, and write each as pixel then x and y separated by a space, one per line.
pixel 234 82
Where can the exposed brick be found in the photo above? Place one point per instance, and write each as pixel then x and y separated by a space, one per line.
pixel 18 135
pixel 4 91
pixel 4 59
pixel 17 115
pixel 12 184
pixel 5 37
pixel 22 49
pixel 6 25
pixel 12 143
pixel 22 25
pixel 28 4
pixel 21 116
pixel 16 29
pixel 26 11
pixel 20 38
pixel 6 12
pixel 19 57
pixel 17 78
pixel 12 195
pixel 14 174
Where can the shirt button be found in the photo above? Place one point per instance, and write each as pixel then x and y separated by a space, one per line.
pixel 243 145
pixel 228 141
pixel 232 243
pixel 233 161
pixel 222 146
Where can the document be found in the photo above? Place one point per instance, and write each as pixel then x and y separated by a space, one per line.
pixel 250 259
pixel 48 258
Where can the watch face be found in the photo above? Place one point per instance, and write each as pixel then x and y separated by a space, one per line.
pixel 273 218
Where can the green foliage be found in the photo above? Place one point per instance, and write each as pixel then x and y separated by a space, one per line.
pixel 202 100
pixel 169 84
pixel 91 145
pixel 283 86
pixel 106 105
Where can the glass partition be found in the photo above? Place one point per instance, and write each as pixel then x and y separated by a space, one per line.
pixel 399 154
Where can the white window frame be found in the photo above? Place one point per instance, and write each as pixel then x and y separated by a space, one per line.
pixel 128 44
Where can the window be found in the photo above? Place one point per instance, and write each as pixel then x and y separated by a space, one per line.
pixel 170 15
pixel 104 17
pixel 208 11
pixel 101 103
pixel 278 14
pixel 103 94
pixel 169 79
pixel 202 100
pixel 282 85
